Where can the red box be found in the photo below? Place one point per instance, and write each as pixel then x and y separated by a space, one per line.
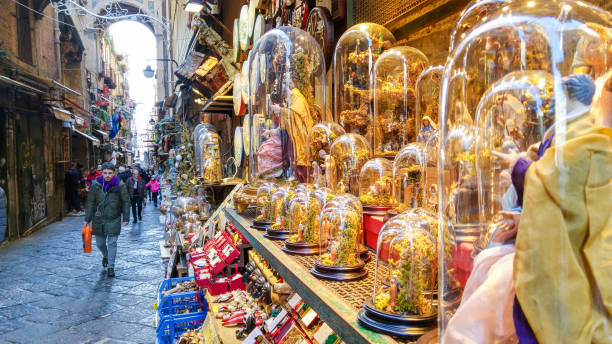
pixel 372 225
pixel 218 286
pixel 202 275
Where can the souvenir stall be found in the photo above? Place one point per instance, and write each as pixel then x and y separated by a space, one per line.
pixel 395 218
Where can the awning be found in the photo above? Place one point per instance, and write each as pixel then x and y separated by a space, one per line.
pixel 61 114
pixel 101 132
pixel 94 140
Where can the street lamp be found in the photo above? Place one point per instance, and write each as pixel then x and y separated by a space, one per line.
pixel 148 72
pixel 194 6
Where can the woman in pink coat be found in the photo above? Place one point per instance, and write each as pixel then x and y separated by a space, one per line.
pixel 153 185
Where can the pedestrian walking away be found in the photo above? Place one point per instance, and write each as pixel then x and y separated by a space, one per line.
pixel 153 185
pixel 136 189
pixel 72 195
pixel 107 202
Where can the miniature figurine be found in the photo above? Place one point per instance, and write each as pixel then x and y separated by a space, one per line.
pixel 429 127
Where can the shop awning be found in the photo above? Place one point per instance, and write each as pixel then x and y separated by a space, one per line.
pixel 62 114
pixel 94 140
pixel 101 132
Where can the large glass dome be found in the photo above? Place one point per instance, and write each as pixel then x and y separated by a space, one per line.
pixel 356 52
pixel 474 14
pixel 208 143
pixel 395 75
pixel 517 84
pixel 286 99
pixel 348 154
pixel 376 183
pixel 428 102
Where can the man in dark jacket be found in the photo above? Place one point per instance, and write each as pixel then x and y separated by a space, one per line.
pixel 124 174
pixel 136 189
pixel 72 194
pixel 107 201
pixel 3 214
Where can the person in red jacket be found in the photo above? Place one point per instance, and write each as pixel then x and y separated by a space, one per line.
pixel 93 175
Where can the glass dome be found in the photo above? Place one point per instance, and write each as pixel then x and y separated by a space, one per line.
pixel 279 206
pixel 304 214
pixel 376 183
pixel 263 212
pixel 208 146
pixel 428 102
pixel 339 244
pixel 356 52
pixel 348 154
pixel 198 153
pixel 408 179
pixel 430 163
pixel 395 75
pixel 530 70
pixel 287 95
pixel 474 14
pixel 320 139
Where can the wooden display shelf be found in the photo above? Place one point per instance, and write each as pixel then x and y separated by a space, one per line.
pixel 334 310
pixel 226 335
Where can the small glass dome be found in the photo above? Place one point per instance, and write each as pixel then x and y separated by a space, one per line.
pixel 428 102
pixel 278 208
pixel 304 214
pixel 376 183
pixel 183 205
pixel 320 139
pixel 287 98
pixel 263 212
pixel 395 75
pixel 339 244
pixel 430 162
pixel 356 52
pixel 210 165
pixel 496 100
pixel 348 154
pixel 406 263
pixel 408 180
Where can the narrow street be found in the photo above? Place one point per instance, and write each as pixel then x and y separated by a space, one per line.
pixel 52 292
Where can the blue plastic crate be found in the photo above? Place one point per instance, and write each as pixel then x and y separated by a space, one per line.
pixel 182 303
pixel 171 327
pixel 169 284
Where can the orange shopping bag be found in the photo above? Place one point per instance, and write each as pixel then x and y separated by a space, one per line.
pixel 86 232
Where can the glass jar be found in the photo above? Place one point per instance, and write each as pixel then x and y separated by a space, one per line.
pixel 263 211
pixel 495 102
pixel 320 139
pixel 356 52
pixel 348 154
pixel 408 179
pixel 287 98
pixel 376 183
pixel 428 102
pixel 339 244
pixel 395 75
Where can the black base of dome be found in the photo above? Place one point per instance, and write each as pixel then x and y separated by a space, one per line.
pixel 409 327
pixel 261 225
pixel 276 234
pixel 335 273
pixel 365 255
pixel 302 249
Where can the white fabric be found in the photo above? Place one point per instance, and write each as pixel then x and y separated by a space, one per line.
pixel 485 313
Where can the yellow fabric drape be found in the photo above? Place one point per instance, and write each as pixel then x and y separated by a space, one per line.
pixel 301 123
pixel 563 261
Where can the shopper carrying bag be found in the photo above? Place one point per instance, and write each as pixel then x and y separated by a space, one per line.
pixel 108 200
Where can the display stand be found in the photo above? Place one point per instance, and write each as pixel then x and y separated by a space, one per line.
pixel 334 310
pixel 300 248
pixel 276 234
pixel 410 327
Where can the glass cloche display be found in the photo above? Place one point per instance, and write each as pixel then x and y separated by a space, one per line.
pixel 208 148
pixel 263 210
pixel 356 52
pixel 348 154
pixel 430 164
pixel 304 214
pixel 509 136
pixel 403 303
pixel 408 179
pixel 287 98
pixel 428 102
pixel 395 75
pixel 320 139
pixel 376 183
pixel 279 204
pixel 339 244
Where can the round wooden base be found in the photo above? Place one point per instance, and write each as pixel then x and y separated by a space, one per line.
pixel 302 249
pixel 261 225
pixel 365 255
pixel 276 234
pixel 335 273
pixel 409 327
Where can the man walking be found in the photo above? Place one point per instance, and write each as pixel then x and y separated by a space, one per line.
pixel 106 203
pixel 72 185
pixel 136 189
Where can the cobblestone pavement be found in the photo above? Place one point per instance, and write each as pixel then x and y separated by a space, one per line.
pixel 52 292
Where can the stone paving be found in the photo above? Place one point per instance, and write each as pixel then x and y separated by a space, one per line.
pixel 52 292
